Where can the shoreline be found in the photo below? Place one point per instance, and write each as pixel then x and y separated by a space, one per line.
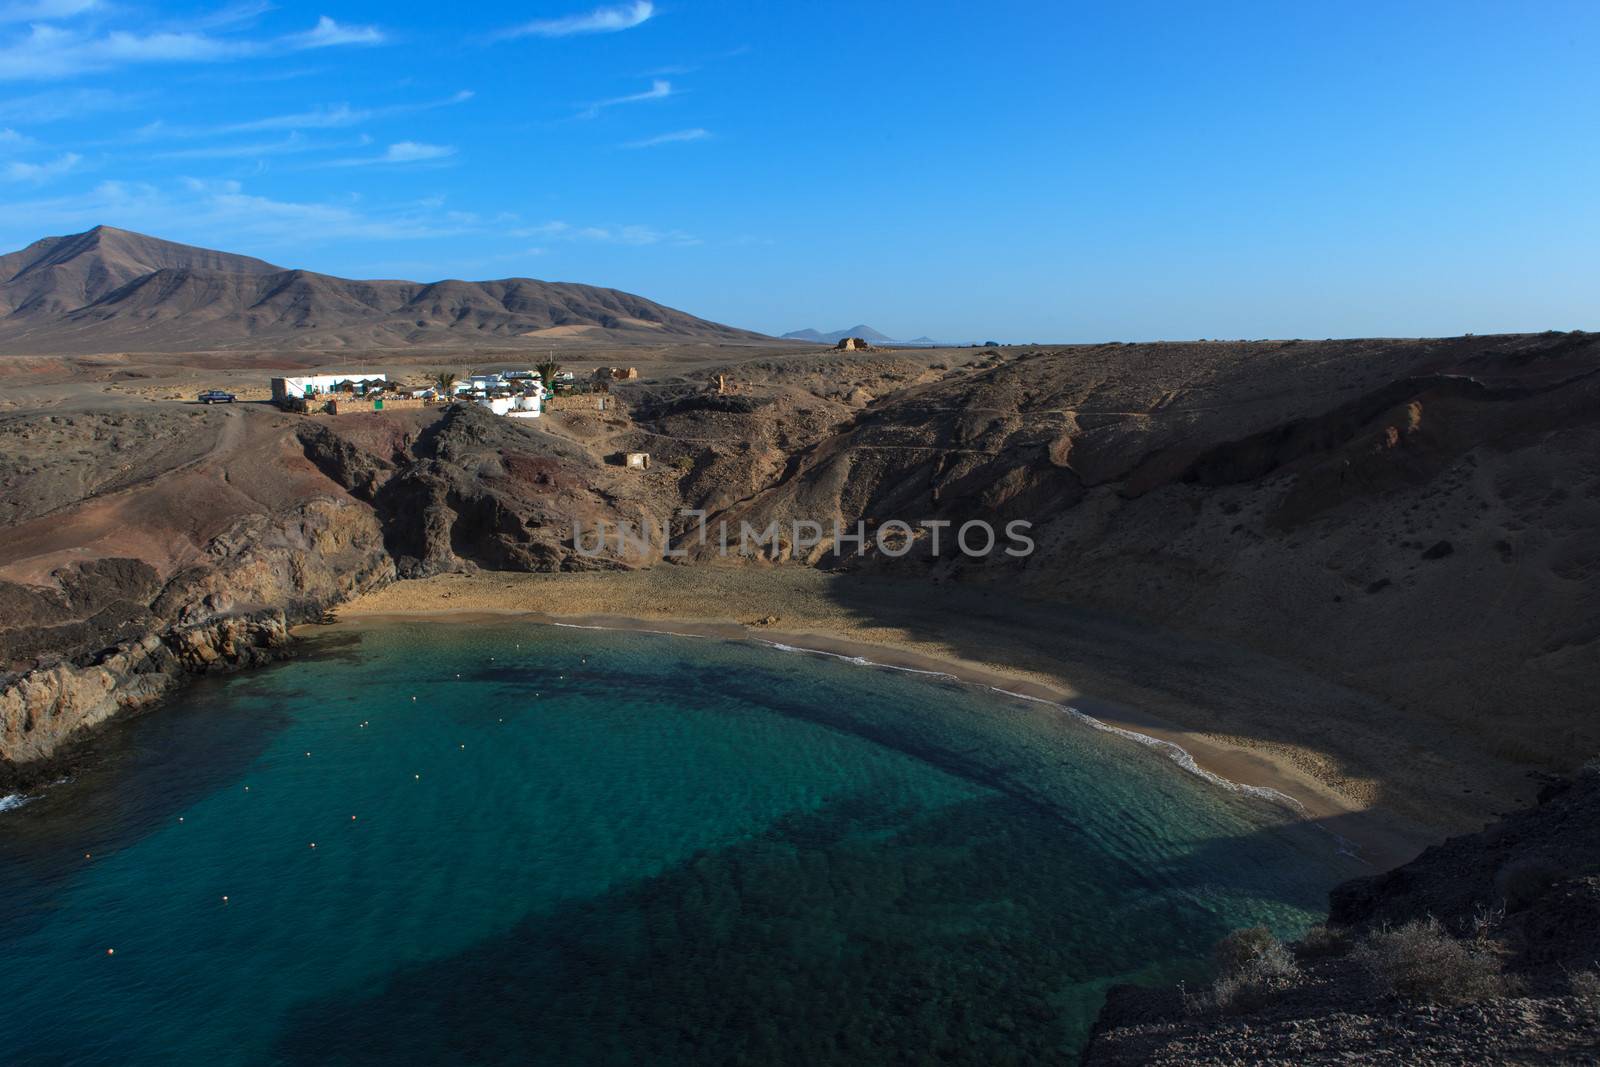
pixel 1377 837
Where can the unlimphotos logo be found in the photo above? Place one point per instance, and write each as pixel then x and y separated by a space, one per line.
pixel 974 538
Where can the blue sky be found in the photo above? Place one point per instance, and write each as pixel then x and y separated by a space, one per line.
pixel 1016 171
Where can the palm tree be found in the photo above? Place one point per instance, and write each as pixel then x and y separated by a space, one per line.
pixel 444 381
pixel 547 374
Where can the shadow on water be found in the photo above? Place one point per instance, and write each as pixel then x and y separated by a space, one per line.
pixel 846 935
pixel 329 647
pixel 1108 654
pixel 1034 756
pixel 136 776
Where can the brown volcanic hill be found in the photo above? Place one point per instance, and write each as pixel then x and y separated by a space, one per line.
pixel 59 274
pixel 111 290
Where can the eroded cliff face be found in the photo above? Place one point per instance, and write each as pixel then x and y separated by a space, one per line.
pixel 230 611
pixel 44 709
pixel 474 490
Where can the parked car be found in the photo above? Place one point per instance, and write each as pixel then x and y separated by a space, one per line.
pixel 216 396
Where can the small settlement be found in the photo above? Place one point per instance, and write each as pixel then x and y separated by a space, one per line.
pixel 518 394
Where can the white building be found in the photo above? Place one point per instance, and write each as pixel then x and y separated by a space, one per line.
pixel 315 384
pixel 497 382
pixel 525 406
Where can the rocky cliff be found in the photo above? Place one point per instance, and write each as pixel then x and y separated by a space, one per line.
pixel 1484 949
pixel 110 637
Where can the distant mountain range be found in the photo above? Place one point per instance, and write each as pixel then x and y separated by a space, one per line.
pixel 865 332
pixel 114 290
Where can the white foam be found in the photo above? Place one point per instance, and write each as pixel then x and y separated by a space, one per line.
pixel 1180 755
pixel 624 629
pixel 859 661
pixel 1173 751
pixel 13 801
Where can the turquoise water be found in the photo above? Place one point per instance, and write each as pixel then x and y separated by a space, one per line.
pixel 554 845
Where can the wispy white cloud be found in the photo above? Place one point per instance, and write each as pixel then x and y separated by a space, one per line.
pixel 224 213
pixel 47 51
pixel 323 117
pixel 60 104
pixel 607 234
pixel 225 207
pixel 326 117
pixel 46 10
pixel 51 52
pixel 241 13
pixel 39 173
pixel 295 142
pixel 675 137
pixel 227 214
pixel 401 153
pixel 11 140
pixel 328 33
pixel 600 20
pixel 659 90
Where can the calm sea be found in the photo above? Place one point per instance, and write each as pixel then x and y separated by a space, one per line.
pixel 450 844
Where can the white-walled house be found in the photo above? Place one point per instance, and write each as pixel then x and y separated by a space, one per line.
pixel 524 406
pixel 496 381
pixel 307 385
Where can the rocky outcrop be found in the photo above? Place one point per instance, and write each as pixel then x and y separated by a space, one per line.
pixel 475 490
pixel 43 709
pixel 1514 908
pixel 94 604
pixel 230 611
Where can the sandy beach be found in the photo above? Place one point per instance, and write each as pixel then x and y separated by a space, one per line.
pixel 1160 686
